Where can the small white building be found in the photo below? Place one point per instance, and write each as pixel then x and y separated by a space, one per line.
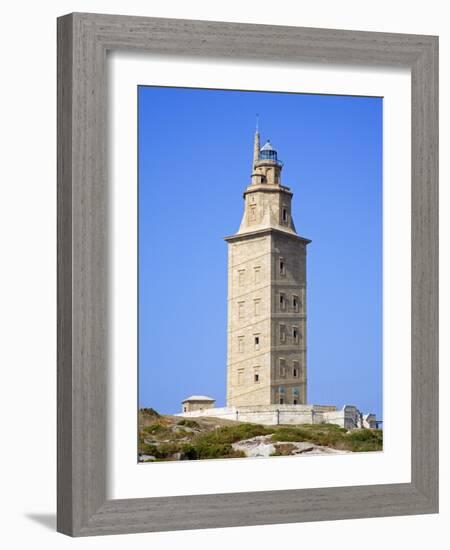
pixel 197 403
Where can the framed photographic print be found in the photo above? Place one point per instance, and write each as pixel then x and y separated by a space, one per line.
pixel 247 274
pixel 333 143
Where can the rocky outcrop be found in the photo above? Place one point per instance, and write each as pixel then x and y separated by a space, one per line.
pixel 263 446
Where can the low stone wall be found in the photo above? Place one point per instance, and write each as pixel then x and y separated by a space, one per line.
pixel 271 415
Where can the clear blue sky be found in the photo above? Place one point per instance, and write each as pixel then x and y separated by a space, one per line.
pixel 195 154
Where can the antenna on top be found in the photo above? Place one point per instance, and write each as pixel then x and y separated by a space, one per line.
pixel 256 144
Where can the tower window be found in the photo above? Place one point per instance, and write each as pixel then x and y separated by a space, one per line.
pixel 241 310
pixel 282 302
pixel 295 303
pixel 257 342
pixel 252 213
pixel 281 395
pixel 257 307
pixel 282 266
pixel 241 276
pixel 295 369
pixel 282 333
pixel 282 368
pixel 240 376
pixel 241 344
pixel 295 334
pixel 256 377
pixel 284 215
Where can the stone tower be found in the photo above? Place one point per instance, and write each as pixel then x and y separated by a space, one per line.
pixel 266 293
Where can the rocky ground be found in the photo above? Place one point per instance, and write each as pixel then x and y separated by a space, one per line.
pixel 166 437
pixel 263 446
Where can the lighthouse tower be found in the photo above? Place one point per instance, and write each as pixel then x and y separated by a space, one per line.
pixel 266 362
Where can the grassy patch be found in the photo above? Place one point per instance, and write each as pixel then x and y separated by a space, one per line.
pixel 167 437
pixel 330 435
pixel 290 433
pixel 231 434
pixel 365 440
pixel 218 443
pixel 157 431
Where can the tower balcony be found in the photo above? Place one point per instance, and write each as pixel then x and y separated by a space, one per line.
pixel 269 162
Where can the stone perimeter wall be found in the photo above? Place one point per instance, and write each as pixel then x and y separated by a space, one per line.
pixel 271 415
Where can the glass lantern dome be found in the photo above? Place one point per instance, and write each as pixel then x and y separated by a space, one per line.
pixel 267 152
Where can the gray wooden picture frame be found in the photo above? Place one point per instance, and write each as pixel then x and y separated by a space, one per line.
pixel 83 41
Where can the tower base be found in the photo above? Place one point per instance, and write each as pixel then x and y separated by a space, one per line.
pixel 348 417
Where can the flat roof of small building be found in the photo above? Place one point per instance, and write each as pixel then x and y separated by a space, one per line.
pixel 198 398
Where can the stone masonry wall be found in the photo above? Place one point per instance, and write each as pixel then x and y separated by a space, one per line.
pixel 348 417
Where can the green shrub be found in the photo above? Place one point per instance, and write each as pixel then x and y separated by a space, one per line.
pixel 161 451
pixel 218 443
pixel 189 452
pixel 166 450
pixel 213 450
pixel 146 449
pixel 203 450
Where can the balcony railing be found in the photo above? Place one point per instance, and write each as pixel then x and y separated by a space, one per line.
pixel 271 160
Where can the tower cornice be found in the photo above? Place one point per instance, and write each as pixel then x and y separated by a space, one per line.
pixel 265 231
pixel 267 188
